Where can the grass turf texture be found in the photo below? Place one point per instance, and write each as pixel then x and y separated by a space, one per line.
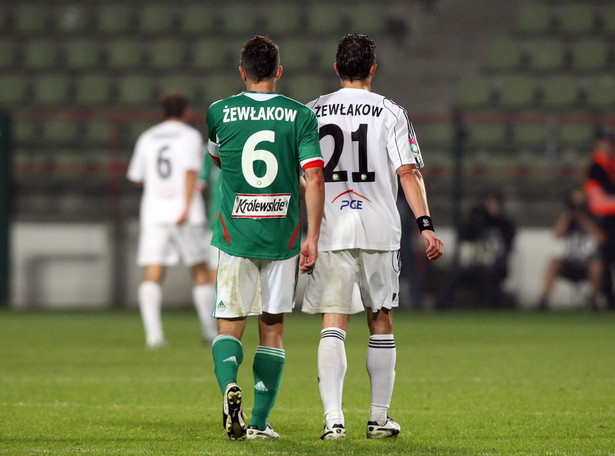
pixel 467 383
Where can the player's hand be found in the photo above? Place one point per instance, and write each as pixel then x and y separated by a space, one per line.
pixel 308 256
pixel 182 218
pixel 435 247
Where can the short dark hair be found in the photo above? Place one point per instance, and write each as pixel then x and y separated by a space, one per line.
pixel 355 56
pixel 260 58
pixel 173 104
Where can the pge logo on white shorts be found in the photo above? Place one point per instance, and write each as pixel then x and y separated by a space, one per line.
pixel 261 206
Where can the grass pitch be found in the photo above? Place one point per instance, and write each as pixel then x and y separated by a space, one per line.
pixel 467 384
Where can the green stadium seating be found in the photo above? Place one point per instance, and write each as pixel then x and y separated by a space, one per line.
pixel 93 89
pixel 435 136
pixel 113 18
pixel 60 132
pixel 240 19
pixel 547 55
pixel 131 131
pixel 601 93
pixel 577 18
pixel 51 90
pixel 607 19
pixel 30 18
pixel 368 18
pixel 167 54
pixel 326 18
pixel 157 18
pixel 73 18
pixel 533 136
pixel 326 56
pixel 305 88
pixel 487 135
pixel 26 133
pixel 98 133
pixel 473 91
pixel 575 135
pixel 198 18
pixel 516 91
pixel 561 91
pixel 282 19
pixel 504 54
pixel 40 54
pixel 125 53
pixel 9 51
pixel 218 86
pixel 82 54
pixel 4 17
pixel 187 85
pixel 14 90
pixel 296 54
pixel 590 54
pixel 534 18
pixel 210 54
pixel 136 90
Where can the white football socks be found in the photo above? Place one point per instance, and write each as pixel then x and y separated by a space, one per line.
pixel 150 304
pixel 381 355
pixel 332 366
pixel 203 297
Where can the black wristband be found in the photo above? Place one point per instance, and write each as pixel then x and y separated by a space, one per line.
pixel 425 223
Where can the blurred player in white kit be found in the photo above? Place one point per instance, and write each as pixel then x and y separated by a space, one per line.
pixel 167 161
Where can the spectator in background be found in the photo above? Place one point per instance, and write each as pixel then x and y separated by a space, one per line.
pixel 489 234
pixel 581 258
pixel 600 190
pixel 167 161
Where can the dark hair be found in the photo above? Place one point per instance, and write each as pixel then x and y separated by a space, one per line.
pixel 173 104
pixel 355 56
pixel 260 58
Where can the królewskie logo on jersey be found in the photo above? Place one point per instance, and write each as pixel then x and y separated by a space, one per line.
pixel 261 206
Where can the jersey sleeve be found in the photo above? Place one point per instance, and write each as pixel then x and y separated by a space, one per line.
pixel 402 144
pixel 309 142
pixel 136 168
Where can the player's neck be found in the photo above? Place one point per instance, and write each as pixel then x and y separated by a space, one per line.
pixel 364 84
pixel 263 86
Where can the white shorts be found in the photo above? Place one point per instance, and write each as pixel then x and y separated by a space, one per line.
pixel 165 243
pixel 251 286
pixel 347 281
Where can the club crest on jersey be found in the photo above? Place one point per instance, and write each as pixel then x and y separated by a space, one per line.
pixel 261 206
pixel 354 204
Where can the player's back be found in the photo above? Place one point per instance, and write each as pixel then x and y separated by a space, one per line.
pixel 364 139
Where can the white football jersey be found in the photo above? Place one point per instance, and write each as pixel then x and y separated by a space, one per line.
pixel 364 139
pixel 162 156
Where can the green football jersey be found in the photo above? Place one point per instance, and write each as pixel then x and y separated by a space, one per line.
pixel 262 140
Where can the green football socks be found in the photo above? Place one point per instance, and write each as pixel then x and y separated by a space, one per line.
pixel 228 355
pixel 267 368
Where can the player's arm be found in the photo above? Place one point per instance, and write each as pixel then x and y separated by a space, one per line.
pixel 414 190
pixel 314 195
pixel 191 176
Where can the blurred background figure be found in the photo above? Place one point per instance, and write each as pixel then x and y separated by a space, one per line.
pixel 600 190
pixel 581 259
pixel 487 235
pixel 167 161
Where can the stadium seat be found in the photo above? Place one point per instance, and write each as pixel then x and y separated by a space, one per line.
pixel 14 90
pixel 197 18
pixel 40 54
pixel 576 135
pixel 435 136
pixel 486 135
pixel 504 54
pixel 73 18
pixel 125 53
pixel 188 85
pixel 325 18
pixel 136 90
pixel 167 54
pixel 130 131
pixel 561 91
pixel 240 18
pixel 577 18
pixel 282 18
pixel 30 18
pixel 601 92
pixel 326 56
pixel 368 18
pixel 547 55
pixel 97 133
pixel 305 88
pixel 82 54
pixel 93 90
pixel 26 133
pixel 56 132
pixel 607 19
pixel 209 54
pixel 590 54
pixel 534 18
pixel 516 91
pixel 533 136
pixel 221 86
pixel 4 17
pixel 157 18
pixel 113 18
pixel 296 54
pixel 9 50
pixel 473 91
pixel 51 90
